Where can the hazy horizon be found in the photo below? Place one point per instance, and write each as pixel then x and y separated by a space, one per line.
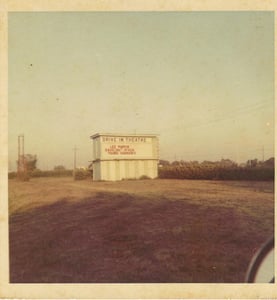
pixel 203 81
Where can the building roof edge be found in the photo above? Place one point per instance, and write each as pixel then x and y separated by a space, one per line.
pixel 124 134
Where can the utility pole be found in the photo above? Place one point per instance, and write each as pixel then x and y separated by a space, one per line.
pixel 21 155
pixel 74 170
pixel 18 152
pixel 263 153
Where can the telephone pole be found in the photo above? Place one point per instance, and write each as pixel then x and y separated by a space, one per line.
pixel 263 153
pixel 21 155
pixel 75 160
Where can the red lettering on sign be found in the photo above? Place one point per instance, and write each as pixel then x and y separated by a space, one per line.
pixel 120 150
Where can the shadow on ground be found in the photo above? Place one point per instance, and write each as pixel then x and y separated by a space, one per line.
pixel 120 238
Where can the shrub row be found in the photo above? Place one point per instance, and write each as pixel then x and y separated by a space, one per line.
pixel 39 173
pixel 79 174
pixel 217 173
pixel 173 172
pixel 51 173
pixel 82 174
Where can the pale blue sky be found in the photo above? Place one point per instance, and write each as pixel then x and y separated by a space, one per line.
pixel 203 81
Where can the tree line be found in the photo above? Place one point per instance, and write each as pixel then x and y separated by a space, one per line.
pixel 224 169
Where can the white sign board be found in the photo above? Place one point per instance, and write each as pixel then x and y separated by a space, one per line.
pixel 126 147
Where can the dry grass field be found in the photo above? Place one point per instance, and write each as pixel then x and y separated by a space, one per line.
pixel 145 231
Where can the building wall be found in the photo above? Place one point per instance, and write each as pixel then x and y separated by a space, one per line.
pixel 97 170
pixel 124 169
pixel 119 157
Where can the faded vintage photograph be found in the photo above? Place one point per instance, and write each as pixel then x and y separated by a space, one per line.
pixel 141 147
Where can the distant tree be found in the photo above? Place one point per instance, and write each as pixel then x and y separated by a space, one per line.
pixel 28 162
pixel 243 165
pixel 227 163
pixel 163 162
pixel 31 165
pixel 182 162
pixel 59 168
pixel 90 169
pixel 269 163
pixel 208 163
pixel 194 163
pixel 252 163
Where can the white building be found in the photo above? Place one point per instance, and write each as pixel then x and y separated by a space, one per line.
pixel 125 156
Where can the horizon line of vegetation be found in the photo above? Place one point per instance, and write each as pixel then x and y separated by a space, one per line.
pixel 225 169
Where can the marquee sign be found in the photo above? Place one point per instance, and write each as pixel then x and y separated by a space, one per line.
pixel 120 150
pixel 123 139
pixel 125 147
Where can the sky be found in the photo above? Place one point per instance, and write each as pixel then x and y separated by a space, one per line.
pixel 202 81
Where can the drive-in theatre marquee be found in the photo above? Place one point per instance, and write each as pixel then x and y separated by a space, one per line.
pixel 119 156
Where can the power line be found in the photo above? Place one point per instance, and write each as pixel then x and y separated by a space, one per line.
pixel 198 154
pixel 232 114
pixel 254 106
pixel 230 150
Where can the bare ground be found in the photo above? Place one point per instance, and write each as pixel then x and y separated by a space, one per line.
pixel 148 231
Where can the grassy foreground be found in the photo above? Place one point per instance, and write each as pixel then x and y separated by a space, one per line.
pixel 146 231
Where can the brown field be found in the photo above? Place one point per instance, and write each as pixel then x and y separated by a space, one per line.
pixel 145 231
